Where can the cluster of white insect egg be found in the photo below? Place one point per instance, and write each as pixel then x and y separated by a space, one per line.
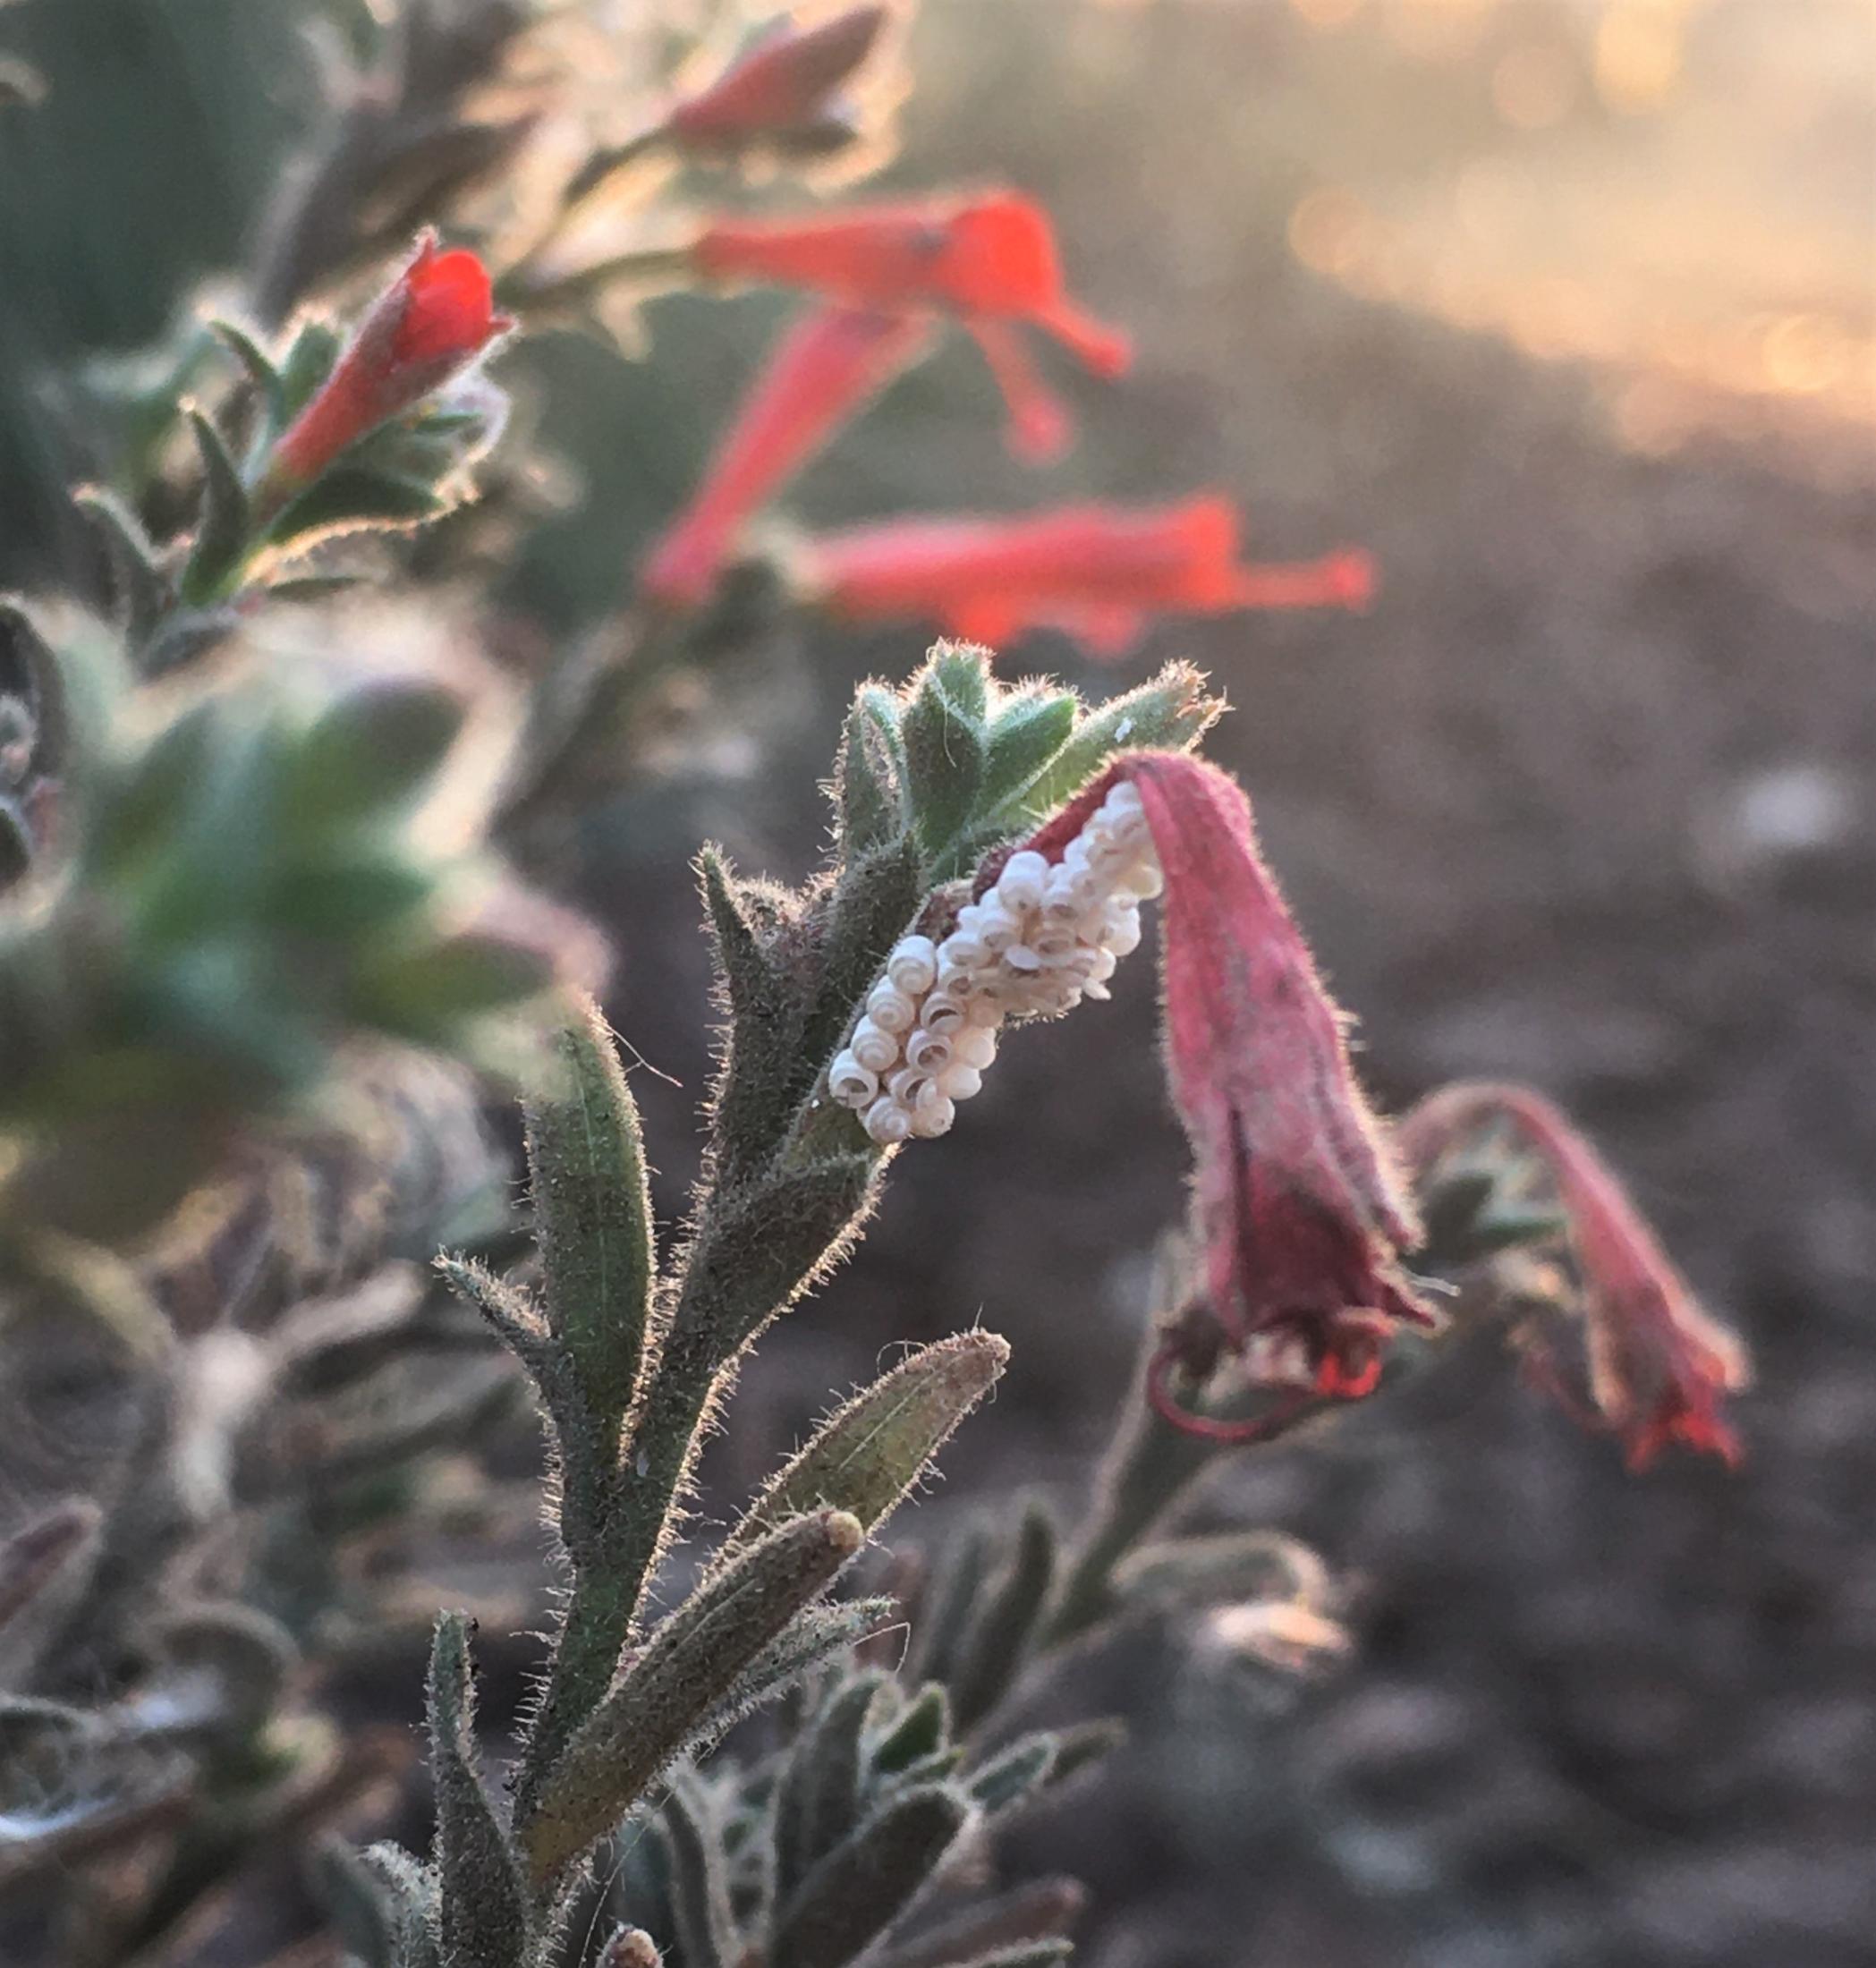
pixel 1045 936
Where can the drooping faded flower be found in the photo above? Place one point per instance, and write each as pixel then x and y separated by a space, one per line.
pixel 431 323
pixel 1097 572
pixel 783 93
pixel 990 261
pixel 832 361
pixel 1300 1215
pixel 1659 1366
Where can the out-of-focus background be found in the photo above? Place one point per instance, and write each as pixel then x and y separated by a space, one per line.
pixel 1568 310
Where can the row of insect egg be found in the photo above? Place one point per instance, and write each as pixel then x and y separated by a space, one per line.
pixel 1043 936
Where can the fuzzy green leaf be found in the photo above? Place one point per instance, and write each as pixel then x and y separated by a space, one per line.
pixel 224 522
pixel 856 1892
pixel 653 1713
pixel 366 1911
pixel 923 1730
pixel 347 498
pixel 706 1930
pixel 592 1214
pixel 1030 731
pixel 943 737
pixel 370 754
pixel 818 1802
pixel 866 784
pixel 811 1640
pixel 139 589
pixel 869 1454
pixel 756 1255
pixel 482 1903
pixel 1013 1774
pixel 944 1617
pixel 1170 713
pixel 995 1649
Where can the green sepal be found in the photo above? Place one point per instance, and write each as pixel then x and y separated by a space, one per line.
pixel 1013 1774
pixel 308 362
pixel 482 1905
pixel 261 373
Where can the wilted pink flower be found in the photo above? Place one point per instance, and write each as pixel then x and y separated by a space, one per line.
pixel 783 91
pixel 990 261
pixel 1299 1211
pixel 1098 572
pixel 828 365
pixel 1657 1365
pixel 430 324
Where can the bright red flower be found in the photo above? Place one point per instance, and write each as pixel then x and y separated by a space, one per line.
pixel 829 364
pixel 1657 1365
pixel 991 262
pixel 433 320
pixel 1095 570
pixel 783 91
pixel 1298 1208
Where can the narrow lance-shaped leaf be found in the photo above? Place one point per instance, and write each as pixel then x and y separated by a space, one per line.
pixel 996 1645
pixel 920 1732
pixel 223 523
pixel 593 1216
pixel 653 1714
pixel 1028 731
pixel 818 1802
pixel 859 1890
pixel 483 1907
pixel 811 1639
pixel 1169 713
pixel 706 1932
pixel 868 1455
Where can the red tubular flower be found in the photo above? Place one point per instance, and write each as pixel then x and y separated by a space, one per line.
pixel 828 365
pixel 783 91
pixel 991 262
pixel 433 320
pixel 1095 571
pixel 1657 1365
pixel 1299 1213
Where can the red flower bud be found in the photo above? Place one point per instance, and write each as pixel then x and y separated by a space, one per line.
pixel 782 91
pixel 430 324
pixel 1657 1365
pixel 990 261
pixel 1298 1208
pixel 824 368
pixel 1097 572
